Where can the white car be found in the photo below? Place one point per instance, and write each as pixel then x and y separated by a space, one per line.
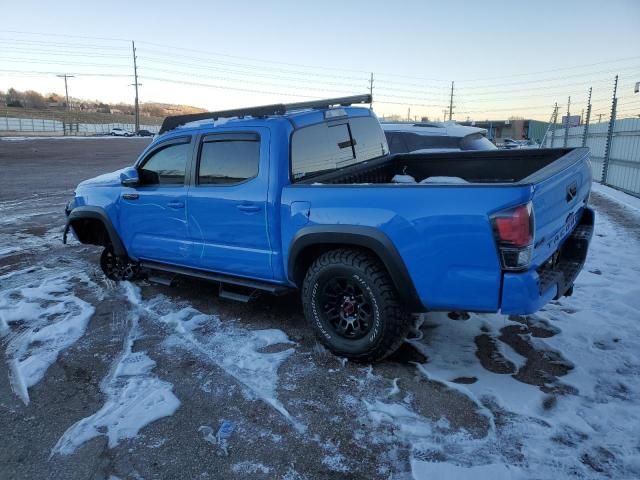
pixel 432 137
pixel 120 132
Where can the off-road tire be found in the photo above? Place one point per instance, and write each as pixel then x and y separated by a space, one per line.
pixel 391 322
pixel 118 268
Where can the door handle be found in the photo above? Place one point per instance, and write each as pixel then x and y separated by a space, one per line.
pixel 130 196
pixel 175 204
pixel 248 207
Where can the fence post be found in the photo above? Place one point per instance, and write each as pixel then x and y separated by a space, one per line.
pixel 585 132
pixel 553 124
pixel 612 121
pixel 566 123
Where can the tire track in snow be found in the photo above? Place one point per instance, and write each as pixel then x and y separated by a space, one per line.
pixel 235 350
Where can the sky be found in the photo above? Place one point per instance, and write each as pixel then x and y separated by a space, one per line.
pixel 506 58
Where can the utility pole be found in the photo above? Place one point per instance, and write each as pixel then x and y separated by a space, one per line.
pixel 585 133
pixel 409 114
pixel 371 91
pixel 451 103
pixel 566 123
pixel 136 84
pixel 599 117
pixel 66 88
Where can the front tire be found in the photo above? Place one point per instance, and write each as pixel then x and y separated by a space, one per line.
pixel 353 306
pixel 117 268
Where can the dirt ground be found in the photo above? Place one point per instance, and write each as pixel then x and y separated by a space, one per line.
pixel 298 411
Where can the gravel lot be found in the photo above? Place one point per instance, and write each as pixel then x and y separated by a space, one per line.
pixel 131 376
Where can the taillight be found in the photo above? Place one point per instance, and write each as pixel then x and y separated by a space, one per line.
pixel 513 230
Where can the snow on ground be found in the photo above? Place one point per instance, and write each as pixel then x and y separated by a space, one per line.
pixel 577 424
pixel 620 197
pixel 135 397
pixel 559 390
pixel 239 352
pixel 39 319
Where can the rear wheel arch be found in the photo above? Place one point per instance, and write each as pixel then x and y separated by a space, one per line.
pixel 311 242
pixel 92 225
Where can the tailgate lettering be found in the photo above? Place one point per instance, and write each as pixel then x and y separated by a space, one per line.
pixel 569 225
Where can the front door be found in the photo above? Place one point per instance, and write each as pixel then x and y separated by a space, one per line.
pixel 153 216
pixel 227 204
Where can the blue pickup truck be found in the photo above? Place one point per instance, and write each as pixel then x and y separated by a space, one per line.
pixel 304 196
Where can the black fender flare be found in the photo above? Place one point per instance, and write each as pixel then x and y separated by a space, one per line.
pixel 96 213
pixel 358 236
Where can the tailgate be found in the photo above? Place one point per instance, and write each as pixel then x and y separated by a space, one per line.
pixel 560 192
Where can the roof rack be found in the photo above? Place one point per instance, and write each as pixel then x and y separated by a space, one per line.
pixel 176 121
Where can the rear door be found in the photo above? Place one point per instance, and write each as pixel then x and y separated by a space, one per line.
pixel 227 204
pixel 558 199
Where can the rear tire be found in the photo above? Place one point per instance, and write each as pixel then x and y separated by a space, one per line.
pixel 353 306
pixel 118 268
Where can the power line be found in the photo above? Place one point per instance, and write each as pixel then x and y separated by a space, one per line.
pixel 49 43
pixel 260 60
pixel 65 53
pixel 75 74
pixel 305 86
pixel 556 69
pixel 245 66
pixel 317 67
pixel 306 81
pixel 582 75
pixel 249 90
pixel 63 35
pixel 50 62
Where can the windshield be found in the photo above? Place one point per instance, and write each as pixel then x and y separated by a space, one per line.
pixel 330 146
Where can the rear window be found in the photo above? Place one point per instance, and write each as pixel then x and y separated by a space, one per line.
pixel 477 141
pixel 415 142
pixel 327 147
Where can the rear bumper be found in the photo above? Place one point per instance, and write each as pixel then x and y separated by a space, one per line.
pixel 527 292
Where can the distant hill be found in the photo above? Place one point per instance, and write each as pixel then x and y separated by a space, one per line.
pixel 36 105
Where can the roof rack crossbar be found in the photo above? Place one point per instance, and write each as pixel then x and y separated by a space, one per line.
pixel 176 121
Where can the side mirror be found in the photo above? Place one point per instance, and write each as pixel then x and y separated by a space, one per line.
pixel 129 177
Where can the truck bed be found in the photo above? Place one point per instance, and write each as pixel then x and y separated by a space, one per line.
pixel 446 226
pixel 480 167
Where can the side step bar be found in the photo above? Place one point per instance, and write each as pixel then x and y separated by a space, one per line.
pixel 218 277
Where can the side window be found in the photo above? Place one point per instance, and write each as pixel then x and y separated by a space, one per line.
pixel 166 166
pixel 228 161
